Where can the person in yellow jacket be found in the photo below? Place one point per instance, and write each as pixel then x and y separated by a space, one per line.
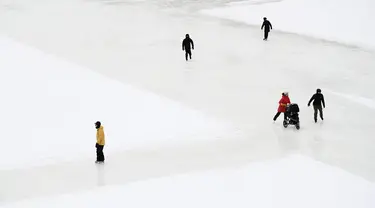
pixel 100 142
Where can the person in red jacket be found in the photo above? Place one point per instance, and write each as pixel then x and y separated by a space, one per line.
pixel 284 101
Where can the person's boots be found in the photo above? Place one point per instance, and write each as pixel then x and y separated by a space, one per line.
pixel 274 118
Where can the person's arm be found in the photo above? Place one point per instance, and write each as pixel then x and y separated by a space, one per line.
pixel 270 25
pixel 100 137
pixel 282 102
pixel 183 45
pixel 324 104
pixel 312 98
pixel 97 137
pixel 262 26
pixel 192 44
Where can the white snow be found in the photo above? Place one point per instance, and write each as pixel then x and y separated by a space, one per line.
pixel 345 21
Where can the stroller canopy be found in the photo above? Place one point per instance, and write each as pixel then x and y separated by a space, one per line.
pixel 293 108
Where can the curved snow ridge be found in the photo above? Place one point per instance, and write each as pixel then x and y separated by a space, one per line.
pixel 370 103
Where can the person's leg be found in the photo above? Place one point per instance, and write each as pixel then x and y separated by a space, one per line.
pixel 186 55
pixel 321 112
pixel 101 155
pixel 276 116
pixel 266 35
pixel 285 116
pixel 97 153
pixel 315 113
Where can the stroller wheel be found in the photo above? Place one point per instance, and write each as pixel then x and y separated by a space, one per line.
pixel 285 123
pixel 297 126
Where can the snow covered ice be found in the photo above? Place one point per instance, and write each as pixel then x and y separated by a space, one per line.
pixel 185 134
pixel 345 21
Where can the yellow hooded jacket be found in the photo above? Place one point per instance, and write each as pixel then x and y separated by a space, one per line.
pixel 100 137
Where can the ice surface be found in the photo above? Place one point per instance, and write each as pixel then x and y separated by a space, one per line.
pixel 233 84
pixel 344 21
pixel 50 106
pixel 260 184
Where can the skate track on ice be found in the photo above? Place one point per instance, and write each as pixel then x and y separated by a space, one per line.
pixel 130 166
pixel 233 75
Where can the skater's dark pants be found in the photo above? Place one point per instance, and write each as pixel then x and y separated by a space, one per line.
pixel 266 34
pixel 316 109
pixel 277 115
pixel 99 153
pixel 187 53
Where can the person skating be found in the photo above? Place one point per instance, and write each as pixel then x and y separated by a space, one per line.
pixel 284 101
pixel 318 99
pixel 100 142
pixel 187 45
pixel 267 27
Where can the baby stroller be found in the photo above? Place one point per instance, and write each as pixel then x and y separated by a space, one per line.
pixel 292 117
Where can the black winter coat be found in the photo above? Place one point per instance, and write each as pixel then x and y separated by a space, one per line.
pixel 318 99
pixel 186 44
pixel 266 25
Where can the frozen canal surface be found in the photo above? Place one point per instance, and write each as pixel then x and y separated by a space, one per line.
pixel 233 76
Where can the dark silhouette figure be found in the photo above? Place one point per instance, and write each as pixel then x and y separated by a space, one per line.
pixel 318 99
pixel 186 43
pixel 267 27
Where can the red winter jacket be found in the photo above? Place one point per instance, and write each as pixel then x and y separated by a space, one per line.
pixel 282 103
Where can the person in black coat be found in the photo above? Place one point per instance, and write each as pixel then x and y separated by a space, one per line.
pixel 267 27
pixel 186 43
pixel 318 99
